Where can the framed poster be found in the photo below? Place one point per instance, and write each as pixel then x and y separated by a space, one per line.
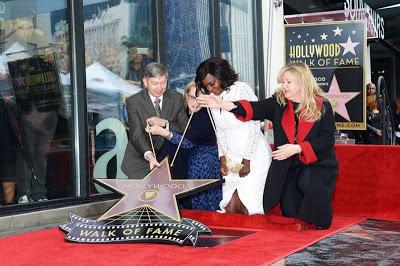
pixel 335 53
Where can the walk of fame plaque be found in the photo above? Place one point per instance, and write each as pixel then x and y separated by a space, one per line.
pixel 147 212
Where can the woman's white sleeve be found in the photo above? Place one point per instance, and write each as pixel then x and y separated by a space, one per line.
pixel 247 93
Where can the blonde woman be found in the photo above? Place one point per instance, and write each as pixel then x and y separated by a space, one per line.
pixel 304 167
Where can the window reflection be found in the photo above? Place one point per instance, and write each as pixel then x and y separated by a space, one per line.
pixel 188 29
pixel 35 85
pixel 35 102
pixel 237 45
pixel 118 45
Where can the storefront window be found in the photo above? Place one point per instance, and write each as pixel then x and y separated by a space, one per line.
pixel 118 45
pixel 35 128
pixel 237 42
pixel 187 29
pixel 36 107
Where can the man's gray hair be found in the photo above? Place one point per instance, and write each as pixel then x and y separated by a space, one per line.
pixel 154 70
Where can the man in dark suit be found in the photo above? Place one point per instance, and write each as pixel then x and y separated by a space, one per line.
pixel 155 105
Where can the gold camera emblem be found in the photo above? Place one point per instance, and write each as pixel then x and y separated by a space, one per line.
pixel 148 195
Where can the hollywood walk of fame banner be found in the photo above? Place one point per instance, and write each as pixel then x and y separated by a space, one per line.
pixel 147 212
pixel 84 230
pixel 335 53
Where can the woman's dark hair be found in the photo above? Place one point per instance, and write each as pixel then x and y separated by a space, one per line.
pixel 219 68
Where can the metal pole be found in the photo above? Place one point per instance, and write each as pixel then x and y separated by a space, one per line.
pixel 79 114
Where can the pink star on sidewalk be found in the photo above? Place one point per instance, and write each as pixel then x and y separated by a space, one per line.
pixel 339 99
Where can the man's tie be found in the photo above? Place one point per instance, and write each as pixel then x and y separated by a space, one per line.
pixel 157 106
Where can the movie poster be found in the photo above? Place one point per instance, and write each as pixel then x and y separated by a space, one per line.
pixel 36 83
pixel 335 54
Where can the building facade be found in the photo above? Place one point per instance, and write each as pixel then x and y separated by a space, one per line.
pixel 66 68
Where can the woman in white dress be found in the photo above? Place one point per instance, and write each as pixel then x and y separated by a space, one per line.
pixel 244 152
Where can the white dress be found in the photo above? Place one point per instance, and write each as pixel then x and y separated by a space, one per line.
pixel 238 140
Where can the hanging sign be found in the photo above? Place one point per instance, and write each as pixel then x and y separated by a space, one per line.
pixel 335 54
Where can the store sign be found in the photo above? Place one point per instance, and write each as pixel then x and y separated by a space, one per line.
pixel 377 20
pixel 335 54
pixel 148 212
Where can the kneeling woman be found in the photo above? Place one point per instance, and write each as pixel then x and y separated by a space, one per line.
pixel 304 166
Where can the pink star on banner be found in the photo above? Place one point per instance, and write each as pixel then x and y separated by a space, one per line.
pixel 339 99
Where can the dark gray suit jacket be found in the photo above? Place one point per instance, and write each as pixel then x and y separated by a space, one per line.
pixel 140 107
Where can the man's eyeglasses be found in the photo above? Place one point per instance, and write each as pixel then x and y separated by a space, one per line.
pixel 191 98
